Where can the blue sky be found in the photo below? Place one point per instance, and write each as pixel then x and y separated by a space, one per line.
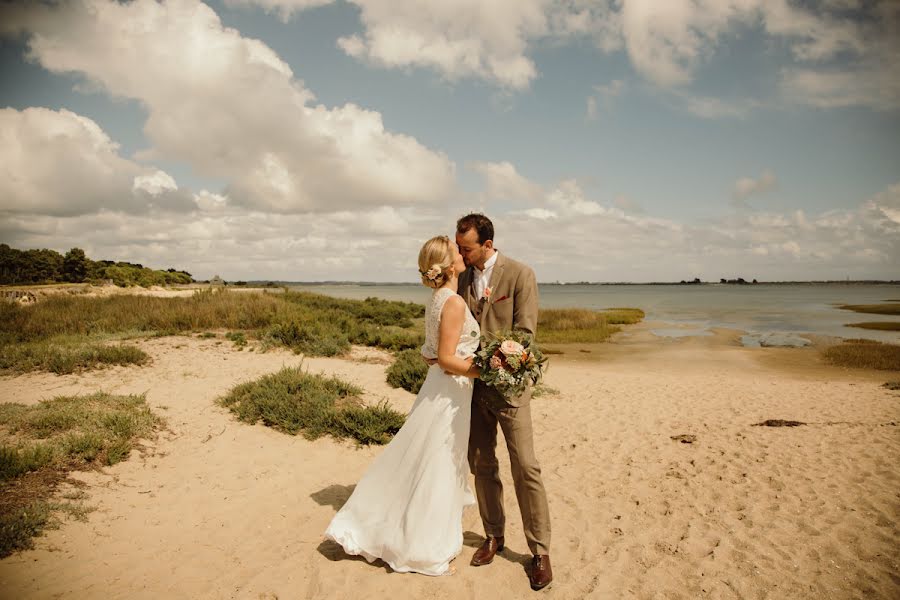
pixel 313 140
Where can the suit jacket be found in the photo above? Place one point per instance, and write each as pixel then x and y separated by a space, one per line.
pixel 513 304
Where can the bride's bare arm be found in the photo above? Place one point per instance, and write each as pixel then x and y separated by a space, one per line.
pixel 452 317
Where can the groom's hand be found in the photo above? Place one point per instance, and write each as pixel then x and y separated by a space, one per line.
pixel 431 361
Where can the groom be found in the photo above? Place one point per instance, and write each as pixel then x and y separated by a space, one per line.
pixel 503 295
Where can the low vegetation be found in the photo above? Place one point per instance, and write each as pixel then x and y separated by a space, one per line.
pixel 408 371
pixel 571 325
pixel 877 325
pixel 875 309
pixel 40 444
pixel 296 402
pixel 66 354
pixel 864 354
pixel 306 323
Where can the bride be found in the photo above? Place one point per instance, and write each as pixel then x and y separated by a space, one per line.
pixel 407 508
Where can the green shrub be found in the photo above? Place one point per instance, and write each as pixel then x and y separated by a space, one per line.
pixel 314 338
pixel 63 355
pixel 408 371
pixel 237 337
pixel 20 459
pixel 368 424
pixel 52 438
pixel 297 402
pixel 19 526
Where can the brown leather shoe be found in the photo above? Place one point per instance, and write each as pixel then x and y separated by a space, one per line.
pixel 485 554
pixel 541 574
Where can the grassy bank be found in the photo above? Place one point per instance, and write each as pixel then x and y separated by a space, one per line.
pixel 30 337
pixel 864 354
pixel 40 444
pixel 570 325
pixel 875 309
pixel 877 325
pixel 296 402
pixel 66 354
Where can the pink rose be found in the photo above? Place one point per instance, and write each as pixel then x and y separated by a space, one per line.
pixel 511 347
pixel 496 363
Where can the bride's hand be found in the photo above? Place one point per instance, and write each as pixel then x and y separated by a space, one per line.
pixel 473 371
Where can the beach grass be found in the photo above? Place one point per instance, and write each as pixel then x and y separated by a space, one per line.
pixel 574 325
pixel 877 325
pixel 66 354
pixel 864 354
pixel 294 401
pixel 306 323
pixel 40 444
pixel 876 309
pixel 408 371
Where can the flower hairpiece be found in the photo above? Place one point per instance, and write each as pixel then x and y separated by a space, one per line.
pixel 433 272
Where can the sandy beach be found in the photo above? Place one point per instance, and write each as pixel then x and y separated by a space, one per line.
pixel 215 508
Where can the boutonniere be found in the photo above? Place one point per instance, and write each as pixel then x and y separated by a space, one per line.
pixel 487 294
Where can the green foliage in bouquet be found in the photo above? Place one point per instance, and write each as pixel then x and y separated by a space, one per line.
pixel 510 362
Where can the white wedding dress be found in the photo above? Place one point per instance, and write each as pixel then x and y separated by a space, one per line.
pixel 407 508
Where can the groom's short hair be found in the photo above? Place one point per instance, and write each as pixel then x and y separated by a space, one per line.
pixel 479 223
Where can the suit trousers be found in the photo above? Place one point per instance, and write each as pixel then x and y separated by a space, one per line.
pixel 515 422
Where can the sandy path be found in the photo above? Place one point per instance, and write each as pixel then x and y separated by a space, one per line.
pixel 218 509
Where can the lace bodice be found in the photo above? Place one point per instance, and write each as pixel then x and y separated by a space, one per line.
pixel 469 336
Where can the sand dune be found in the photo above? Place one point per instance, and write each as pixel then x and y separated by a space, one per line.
pixel 218 509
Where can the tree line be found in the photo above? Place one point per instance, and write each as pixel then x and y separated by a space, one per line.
pixel 49 266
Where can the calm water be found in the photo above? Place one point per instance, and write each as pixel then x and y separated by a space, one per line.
pixel 802 308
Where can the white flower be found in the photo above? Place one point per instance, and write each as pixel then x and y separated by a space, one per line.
pixel 433 272
pixel 511 347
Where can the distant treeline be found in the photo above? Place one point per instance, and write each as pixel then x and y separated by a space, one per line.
pixel 49 266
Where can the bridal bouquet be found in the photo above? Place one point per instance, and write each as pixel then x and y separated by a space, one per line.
pixel 510 362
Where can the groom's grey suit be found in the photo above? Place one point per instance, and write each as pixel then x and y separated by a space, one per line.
pixel 512 304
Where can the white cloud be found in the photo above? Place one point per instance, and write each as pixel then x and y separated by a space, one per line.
pixel 568 199
pixel 458 38
pixel 844 51
pixel 503 182
pixel 569 237
pixel 748 186
pixel 230 108
pixel 154 183
pixel 60 163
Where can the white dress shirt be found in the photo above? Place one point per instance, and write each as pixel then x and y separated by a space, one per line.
pixel 483 278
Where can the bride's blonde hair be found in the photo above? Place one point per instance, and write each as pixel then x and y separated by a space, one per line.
pixel 435 261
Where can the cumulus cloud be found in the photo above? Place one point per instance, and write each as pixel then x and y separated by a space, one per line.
pixel 568 236
pixel 749 186
pixel 844 53
pixel 60 163
pixel 458 38
pixel 230 107
pixel 503 182
pixel 612 245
